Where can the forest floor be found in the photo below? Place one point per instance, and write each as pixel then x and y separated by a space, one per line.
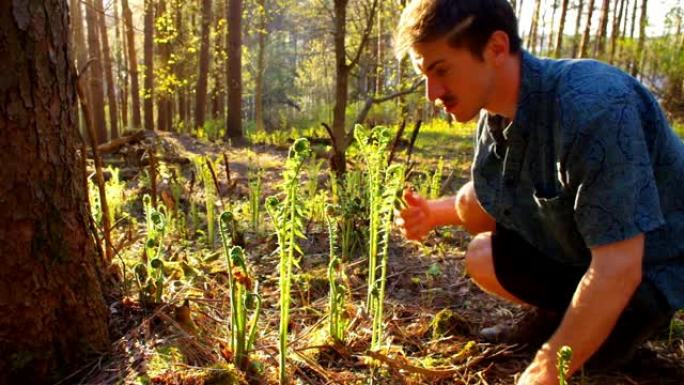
pixel 433 312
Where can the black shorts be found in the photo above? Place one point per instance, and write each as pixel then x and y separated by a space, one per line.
pixel 538 279
pixel 541 281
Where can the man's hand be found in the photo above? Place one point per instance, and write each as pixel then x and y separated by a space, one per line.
pixel 416 220
pixel 542 370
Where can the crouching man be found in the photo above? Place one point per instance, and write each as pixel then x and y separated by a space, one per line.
pixel 576 201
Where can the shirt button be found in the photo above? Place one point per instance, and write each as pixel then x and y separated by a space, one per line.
pixel 507 212
pixel 509 182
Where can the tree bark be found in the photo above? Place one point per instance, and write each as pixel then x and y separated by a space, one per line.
pixel 51 295
pixel 600 44
pixel 617 20
pixel 643 21
pixel 578 22
pixel 132 64
pixel 79 44
pixel 122 77
pixel 234 119
pixel 148 103
pixel 587 30
pixel 338 160
pixel 532 37
pixel 107 62
pixel 561 29
pixel 95 76
pixel 201 97
pixel 164 51
pixel 259 81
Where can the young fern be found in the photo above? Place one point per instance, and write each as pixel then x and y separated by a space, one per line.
pixel 336 322
pixel 243 328
pixel 150 273
pixel 288 219
pixel 394 182
pixel 564 357
pixel 373 145
pixel 254 180
pixel 436 181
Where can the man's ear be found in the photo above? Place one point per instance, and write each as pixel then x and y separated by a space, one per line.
pixel 497 47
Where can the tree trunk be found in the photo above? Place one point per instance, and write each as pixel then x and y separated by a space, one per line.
pixel 148 60
pixel 259 81
pixel 201 97
pixel 552 41
pixel 164 51
pixel 107 62
pixel 234 119
pixel 95 76
pixel 51 295
pixel 634 13
pixel 643 21
pixel 617 20
pixel 600 44
pixel 561 29
pixel 133 63
pixel 78 38
pixel 338 160
pixel 587 31
pixel 532 37
pixel 578 21
pixel 122 77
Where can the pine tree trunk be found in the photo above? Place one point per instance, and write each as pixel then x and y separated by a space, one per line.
pixel 587 31
pixel 201 97
pixel 132 64
pixel 643 21
pixel 234 119
pixel 561 29
pixel 617 20
pixel 107 62
pixel 122 78
pixel 259 81
pixel 79 44
pixel 532 37
pixel 338 160
pixel 633 25
pixel 148 91
pixel 600 44
pixel 95 76
pixel 578 22
pixel 51 294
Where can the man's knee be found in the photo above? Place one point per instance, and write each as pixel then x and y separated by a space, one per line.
pixel 478 258
pixel 475 219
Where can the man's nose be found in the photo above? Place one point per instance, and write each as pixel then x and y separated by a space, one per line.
pixel 433 89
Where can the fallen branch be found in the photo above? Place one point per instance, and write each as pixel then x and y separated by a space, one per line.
pixel 115 144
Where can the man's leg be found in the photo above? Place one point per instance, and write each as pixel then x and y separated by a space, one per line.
pixel 502 263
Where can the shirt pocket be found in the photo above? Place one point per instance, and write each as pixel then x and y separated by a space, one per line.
pixel 558 221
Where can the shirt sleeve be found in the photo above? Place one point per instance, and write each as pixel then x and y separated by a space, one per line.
pixel 617 197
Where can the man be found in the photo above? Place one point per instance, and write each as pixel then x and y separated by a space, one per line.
pixel 577 193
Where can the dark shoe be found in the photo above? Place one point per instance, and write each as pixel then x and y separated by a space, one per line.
pixel 533 329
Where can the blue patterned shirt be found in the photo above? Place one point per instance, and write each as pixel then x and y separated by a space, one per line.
pixel 589 159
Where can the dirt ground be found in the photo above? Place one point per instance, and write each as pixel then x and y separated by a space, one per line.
pixel 433 312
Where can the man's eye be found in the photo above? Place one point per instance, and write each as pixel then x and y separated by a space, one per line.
pixel 441 71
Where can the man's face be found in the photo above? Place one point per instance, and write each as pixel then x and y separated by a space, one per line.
pixel 456 79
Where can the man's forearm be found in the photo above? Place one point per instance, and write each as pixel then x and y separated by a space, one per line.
pixel 444 212
pixel 596 306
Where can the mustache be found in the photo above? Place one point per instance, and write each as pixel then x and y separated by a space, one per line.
pixel 444 101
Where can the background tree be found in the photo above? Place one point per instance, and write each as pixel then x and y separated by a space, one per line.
pixel 234 119
pixel 148 91
pixel 107 67
pixel 96 92
pixel 132 63
pixel 50 285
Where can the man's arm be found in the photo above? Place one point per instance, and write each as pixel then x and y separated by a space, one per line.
pixel 601 296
